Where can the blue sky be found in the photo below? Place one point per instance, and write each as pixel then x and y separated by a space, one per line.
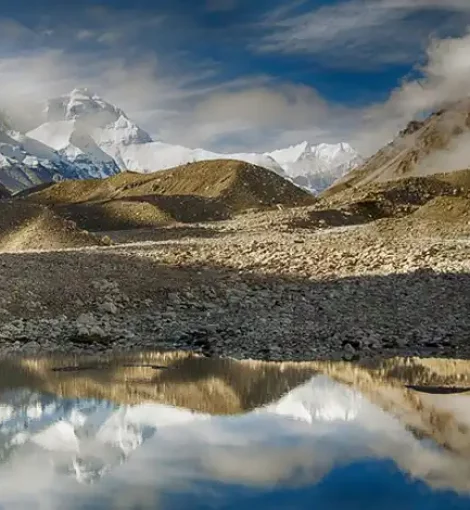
pixel 242 74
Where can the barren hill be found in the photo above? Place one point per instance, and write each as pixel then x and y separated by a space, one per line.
pixel 26 226
pixel 203 191
pixel 436 145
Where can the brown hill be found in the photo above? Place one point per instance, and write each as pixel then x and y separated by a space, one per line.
pixel 26 226
pixel 203 191
pixel 438 144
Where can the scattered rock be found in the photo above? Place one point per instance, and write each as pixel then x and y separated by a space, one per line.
pixel 248 287
pixel 108 307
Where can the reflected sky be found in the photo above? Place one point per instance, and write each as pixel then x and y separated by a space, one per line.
pixel 323 444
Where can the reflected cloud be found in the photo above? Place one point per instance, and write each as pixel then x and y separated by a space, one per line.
pixel 104 453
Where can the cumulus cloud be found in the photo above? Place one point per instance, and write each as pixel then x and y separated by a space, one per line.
pixel 261 117
pixel 445 79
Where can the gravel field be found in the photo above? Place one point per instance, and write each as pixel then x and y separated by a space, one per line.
pixel 252 287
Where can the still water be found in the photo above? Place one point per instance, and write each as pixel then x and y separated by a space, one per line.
pixel 171 431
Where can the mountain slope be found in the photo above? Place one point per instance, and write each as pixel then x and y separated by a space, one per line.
pixel 436 145
pixel 26 226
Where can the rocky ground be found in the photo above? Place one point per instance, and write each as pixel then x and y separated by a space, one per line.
pixel 258 286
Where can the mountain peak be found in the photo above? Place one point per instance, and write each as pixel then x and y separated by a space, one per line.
pixel 82 104
pixel 89 113
pixel 304 146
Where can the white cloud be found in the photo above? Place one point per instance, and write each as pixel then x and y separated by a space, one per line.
pixel 445 79
pixel 110 37
pixel 256 113
pixel 361 33
pixel 260 117
pixel 101 25
pixel 85 34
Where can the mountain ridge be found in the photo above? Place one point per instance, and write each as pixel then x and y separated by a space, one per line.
pixel 438 144
pixel 316 167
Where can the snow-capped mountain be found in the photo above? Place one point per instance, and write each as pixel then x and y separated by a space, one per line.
pixel 316 167
pixel 26 161
pixel 81 123
pixel 85 137
pixel 81 126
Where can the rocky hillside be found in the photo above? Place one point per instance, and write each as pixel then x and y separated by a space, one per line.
pixel 203 191
pixel 438 144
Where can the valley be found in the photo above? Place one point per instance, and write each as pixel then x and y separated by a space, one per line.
pixel 309 282
pixel 228 258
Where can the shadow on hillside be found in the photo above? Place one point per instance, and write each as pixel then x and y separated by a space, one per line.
pixel 145 212
pixel 188 208
pixel 423 311
pixel 357 213
pixel 14 215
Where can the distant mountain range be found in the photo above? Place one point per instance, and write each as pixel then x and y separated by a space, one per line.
pixel 316 167
pixel 84 137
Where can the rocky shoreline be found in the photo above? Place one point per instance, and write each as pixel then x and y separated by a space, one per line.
pixel 246 288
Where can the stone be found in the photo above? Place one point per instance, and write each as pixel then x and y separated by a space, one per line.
pixel 108 307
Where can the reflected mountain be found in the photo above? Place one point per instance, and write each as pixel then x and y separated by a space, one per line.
pixel 174 430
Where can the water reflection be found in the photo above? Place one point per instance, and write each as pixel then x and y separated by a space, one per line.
pixel 175 431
